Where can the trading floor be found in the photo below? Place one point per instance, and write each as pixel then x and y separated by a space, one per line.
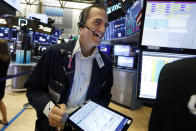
pixel 21 119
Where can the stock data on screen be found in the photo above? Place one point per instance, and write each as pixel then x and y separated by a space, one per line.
pixel 170 24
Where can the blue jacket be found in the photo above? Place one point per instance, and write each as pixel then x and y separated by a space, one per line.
pixel 53 65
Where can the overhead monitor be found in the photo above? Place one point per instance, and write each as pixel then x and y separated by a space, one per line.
pixel 127 3
pixel 116 29
pixel 133 16
pixel 54 39
pixel 119 28
pixel 42 38
pixel 57 32
pixel 114 9
pixel 151 64
pixel 127 25
pixel 125 62
pixel 4 33
pixel 170 24
pixel 122 50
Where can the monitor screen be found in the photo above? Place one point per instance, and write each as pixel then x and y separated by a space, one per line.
pixel 116 29
pixel 105 49
pixel 57 32
pixel 151 65
pixel 124 61
pixel 119 28
pixel 4 33
pixel 14 34
pixel 114 9
pixel 94 117
pixel 170 24
pixel 127 25
pixel 54 39
pixel 132 17
pixel 42 38
pixel 122 50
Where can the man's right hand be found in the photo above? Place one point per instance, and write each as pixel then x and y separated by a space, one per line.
pixel 56 114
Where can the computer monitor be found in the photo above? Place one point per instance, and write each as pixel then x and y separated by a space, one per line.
pixel 122 50
pixel 105 49
pixel 125 62
pixel 132 18
pixel 151 64
pixel 42 38
pixel 14 34
pixel 54 39
pixel 57 32
pixel 4 33
pixel 169 24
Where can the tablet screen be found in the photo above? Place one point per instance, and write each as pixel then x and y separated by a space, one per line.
pixel 93 117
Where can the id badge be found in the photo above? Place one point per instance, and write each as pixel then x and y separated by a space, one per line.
pixel 99 60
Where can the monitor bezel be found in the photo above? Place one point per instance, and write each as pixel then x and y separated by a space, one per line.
pixel 39 42
pixel 145 47
pixel 126 66
pixel 148 101
pixel 121 45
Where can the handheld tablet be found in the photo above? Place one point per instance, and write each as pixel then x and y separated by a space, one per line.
pixel 94 117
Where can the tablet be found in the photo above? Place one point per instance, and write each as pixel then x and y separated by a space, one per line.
pixel 94 117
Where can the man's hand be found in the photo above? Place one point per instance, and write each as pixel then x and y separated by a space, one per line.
pixel 56 114
pixel 191 104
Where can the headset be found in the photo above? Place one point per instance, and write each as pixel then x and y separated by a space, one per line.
pixel 82 21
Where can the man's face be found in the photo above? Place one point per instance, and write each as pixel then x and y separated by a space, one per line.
pixel 97 22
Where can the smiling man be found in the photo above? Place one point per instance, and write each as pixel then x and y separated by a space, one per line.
pixel 69 74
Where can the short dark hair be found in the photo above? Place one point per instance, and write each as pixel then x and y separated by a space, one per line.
pixel 85 12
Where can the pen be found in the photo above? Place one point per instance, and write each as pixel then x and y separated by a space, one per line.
pixel 65 115
pixel 56 104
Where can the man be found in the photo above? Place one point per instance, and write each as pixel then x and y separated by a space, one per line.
pixel 175 105
pixel 75 71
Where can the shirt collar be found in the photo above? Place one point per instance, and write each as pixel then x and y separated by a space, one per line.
pixel 78 49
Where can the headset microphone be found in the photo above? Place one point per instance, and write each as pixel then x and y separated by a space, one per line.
pixel 94 33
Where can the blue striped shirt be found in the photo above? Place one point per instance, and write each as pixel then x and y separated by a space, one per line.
pixel 82 76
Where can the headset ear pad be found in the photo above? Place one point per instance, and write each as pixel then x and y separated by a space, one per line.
pixel 80 25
